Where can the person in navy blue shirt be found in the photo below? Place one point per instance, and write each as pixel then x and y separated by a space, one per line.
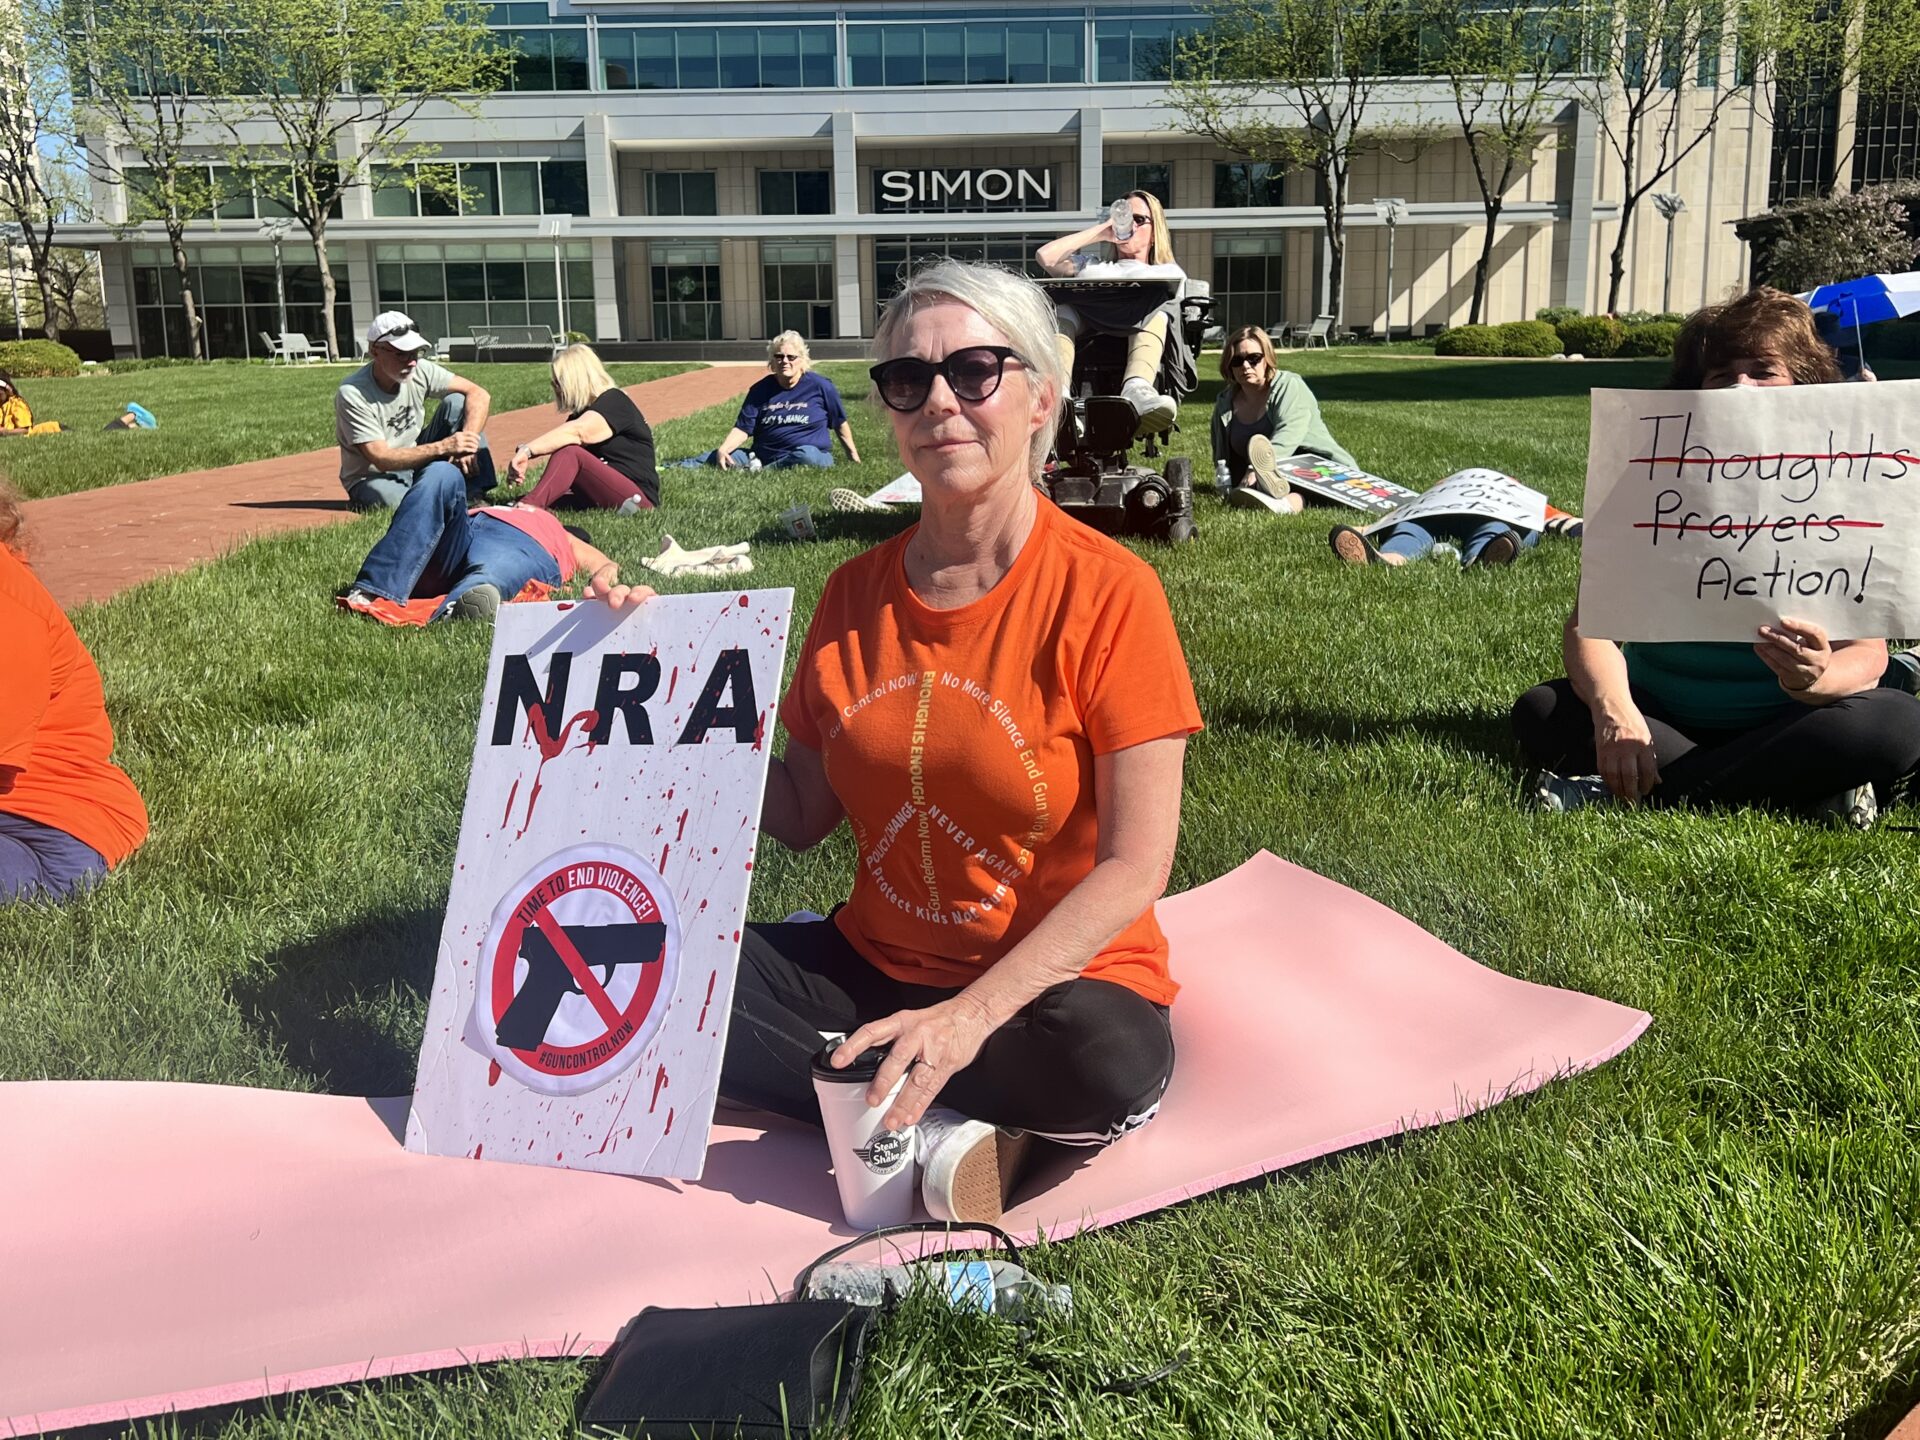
pixel 789 418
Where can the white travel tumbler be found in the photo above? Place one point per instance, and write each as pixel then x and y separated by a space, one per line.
pixel 872 1166
pixel 1120 216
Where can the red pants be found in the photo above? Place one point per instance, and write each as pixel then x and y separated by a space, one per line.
pixel 574 470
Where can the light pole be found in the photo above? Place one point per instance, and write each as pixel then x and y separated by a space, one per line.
pixel 276 231
pixel 12 234
pixel 1391 213
pixel 1670 206
pixel 559 227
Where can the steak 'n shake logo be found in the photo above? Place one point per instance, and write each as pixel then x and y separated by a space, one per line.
pixel 887 1151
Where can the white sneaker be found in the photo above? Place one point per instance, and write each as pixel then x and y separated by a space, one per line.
pixel 1855 809
pixel 1156 412
pixel 852 502
pixel 967 1167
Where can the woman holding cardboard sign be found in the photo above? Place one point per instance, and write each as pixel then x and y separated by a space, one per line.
pixel 1793 720
pixel 997 704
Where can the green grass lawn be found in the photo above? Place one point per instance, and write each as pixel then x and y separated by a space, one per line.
pixel 1714 1235
pixel 216 415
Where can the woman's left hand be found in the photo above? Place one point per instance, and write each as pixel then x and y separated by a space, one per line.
pixel 1798 652
pixel 517 466
pixel 606 585
pixel 938 1043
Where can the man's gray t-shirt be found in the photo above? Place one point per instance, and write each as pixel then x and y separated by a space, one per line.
pixel 362 411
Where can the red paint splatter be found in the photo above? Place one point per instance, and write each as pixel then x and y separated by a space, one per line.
pixel 629 1132
pixel 566 605
pixel 478 1150
pixel 512 795
pixel 681 833
pixel 736 937
pixel 749 865
pixel 743 600
pixel 703 906
pixel 550 747
pixel 662 866
pixel 659 1079
pixel 700 1027
pixel 493 1072
pixel 669 1129
pixel 760 730
pixel 672 680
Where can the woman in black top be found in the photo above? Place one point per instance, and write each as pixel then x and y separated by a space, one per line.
pixel 602 457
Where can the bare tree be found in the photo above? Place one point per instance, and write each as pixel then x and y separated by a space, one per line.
pixel 306 76
pixel 74 290
pixel 37 187
pixel 139 68
pixel 1505 69
pixel 1292 83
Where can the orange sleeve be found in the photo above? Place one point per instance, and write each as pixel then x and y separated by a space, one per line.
pixel 1133 683
pixel 795 710
pixel 29 688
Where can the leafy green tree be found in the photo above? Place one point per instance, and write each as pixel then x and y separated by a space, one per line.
pixel 137 67
pixel 1293 83
pixel 319 95
pixel 1822 50
pixel 1503 68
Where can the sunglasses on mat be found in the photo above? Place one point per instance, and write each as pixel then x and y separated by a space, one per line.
pixel 973 374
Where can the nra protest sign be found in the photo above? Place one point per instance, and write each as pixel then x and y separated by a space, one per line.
pixel 1481 494
pixel 586 964
pixel 1711 513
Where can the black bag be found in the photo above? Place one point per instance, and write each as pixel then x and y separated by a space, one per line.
pixel 750 1370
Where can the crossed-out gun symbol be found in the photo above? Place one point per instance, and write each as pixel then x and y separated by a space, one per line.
pixel 549 979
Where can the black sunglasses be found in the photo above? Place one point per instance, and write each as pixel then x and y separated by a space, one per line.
pixel 1250 357
pixel 1140 220
pixel 973 374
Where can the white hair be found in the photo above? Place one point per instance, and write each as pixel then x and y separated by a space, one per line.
pixel 1010 303
pixel 797 341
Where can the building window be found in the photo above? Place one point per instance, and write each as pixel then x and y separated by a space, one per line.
pixel 230 197
pixel 686 291
pixel 482 187
pixel 550 51
pixel 1156 180
pixel 454 290
pixel 1139 50
pixel 1248 280
pixel 1807 123
pixel 894 260
pixel 796 192
pixel 717 57
pixel 972 52
pixel 682 192
pixel 796 281
pixel 1243 184
pixel 1887 139
pixel 233 287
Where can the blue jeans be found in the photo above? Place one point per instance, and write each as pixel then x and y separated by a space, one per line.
pixel 1414 538
pixel 43 861
pixel 434 547
pixel 815 456
pixel 385 492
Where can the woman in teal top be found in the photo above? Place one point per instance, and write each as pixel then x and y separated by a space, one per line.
pixel 1262 415
pixel 1794 719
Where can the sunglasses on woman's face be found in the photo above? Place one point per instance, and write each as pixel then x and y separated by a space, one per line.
pixel 973 374
pixel 1250 357
pixel 1140 222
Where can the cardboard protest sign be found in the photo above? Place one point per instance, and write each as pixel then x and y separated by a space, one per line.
pixel 903 489
pixel 1711 513
pixel 586 964
pixel 1355 489
pixel 1481 494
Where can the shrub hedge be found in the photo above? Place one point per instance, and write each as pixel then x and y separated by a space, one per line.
pixel 37 358
pixel 1468 340
pixel 1528 337
pixel 1654 338
pixel 1594 336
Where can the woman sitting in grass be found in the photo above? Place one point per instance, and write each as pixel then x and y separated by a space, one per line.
pixel 1262 415
pixel 602 456
pixel 1793 720
pixel 67 812
pixel 16 416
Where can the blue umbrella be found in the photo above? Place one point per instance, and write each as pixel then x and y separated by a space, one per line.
pixel 1868 300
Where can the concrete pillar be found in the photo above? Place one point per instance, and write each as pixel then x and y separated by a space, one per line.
pixel 848 312
pixel 356 202
pixel 1093 149
pixel 606 299
pixel 603 190
pixel 364 292
pixel 846 165
pixel 1579 175
pixel 116 273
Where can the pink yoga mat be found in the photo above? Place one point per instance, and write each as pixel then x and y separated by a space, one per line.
pixel 173 1246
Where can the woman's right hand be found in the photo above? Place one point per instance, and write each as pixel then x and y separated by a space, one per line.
pixel 1623 748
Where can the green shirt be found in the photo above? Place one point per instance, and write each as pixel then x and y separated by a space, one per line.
pixel 1718 685
pixel 1294 416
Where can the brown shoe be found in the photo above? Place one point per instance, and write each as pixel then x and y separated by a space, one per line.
pixel 1353 547
pixel 1264 461
pixel 1500 550
pixel 968 1168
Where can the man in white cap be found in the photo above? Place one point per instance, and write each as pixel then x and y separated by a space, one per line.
pixel 380 417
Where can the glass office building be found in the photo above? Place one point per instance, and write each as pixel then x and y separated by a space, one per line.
pixel 666 175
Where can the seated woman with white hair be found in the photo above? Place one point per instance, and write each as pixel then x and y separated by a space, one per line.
pixel 996 703
pixel 789 418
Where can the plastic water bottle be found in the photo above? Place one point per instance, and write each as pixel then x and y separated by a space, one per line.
pixel 753 464
pixel 1222 479
pixel 993 1287
pixel 1120 216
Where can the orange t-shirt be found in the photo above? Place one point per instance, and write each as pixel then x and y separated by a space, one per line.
pixel 961 745
pixel 53 725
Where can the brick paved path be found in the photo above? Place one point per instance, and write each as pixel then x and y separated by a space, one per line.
pixel 94 544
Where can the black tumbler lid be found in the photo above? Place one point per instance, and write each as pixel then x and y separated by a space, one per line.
pixel 864 1067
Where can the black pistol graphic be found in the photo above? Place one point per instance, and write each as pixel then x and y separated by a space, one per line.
pixel 604 947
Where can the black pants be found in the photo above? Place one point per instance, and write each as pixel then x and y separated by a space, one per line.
pixel 1805 756
pixel 1083 1064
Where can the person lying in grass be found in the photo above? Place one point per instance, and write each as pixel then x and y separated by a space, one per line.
pixel 441 561
pixel 1795 720
pixel 16 416
pixel 68 814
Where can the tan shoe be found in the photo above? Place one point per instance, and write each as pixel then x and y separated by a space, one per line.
pixel 1265 464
